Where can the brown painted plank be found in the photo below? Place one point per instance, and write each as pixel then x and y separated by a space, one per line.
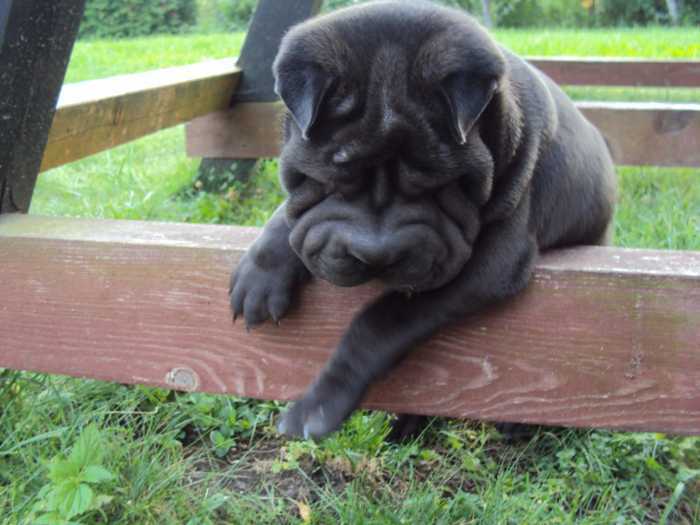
pixel 642 133
pixel 604 337
pixel 648 133
pixel 99 114
pixel 245 131
pixel 602 71
pixel 96 115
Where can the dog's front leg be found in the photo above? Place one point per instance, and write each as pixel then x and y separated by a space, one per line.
pixel 267 277
pixel 383 333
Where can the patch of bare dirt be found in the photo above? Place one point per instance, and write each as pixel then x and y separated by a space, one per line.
pixel 256 469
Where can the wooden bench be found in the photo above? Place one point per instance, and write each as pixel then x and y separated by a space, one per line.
pixel 604 337
pixel 96 115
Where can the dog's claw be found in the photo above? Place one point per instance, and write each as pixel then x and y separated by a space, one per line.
pixel 321 411
pixel 260 294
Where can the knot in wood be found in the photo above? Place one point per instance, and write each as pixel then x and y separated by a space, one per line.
pixel 182 378
pixel 672 121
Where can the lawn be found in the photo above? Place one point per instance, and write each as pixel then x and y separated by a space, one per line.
pixel 115 454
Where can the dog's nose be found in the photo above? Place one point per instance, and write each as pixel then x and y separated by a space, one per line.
pixel 375 256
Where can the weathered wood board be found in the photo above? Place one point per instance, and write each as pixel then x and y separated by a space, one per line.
pixel 642 133
pixel 648 133
pixel 609 71
pixel 36 39
pixel 603 337
pixel 248 131
pixel 96 115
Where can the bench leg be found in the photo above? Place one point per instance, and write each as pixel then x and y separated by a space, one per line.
pixel 36 39
pixel 271 20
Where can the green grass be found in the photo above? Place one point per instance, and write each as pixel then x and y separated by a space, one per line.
pixel 103 58
pixel 135 180
pixel 639 43
pixel 658 208
pixel 659 42
pixel 202 459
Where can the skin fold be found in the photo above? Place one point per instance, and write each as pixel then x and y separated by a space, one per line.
pixel 420 153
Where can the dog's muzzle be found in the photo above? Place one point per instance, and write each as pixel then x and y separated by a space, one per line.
pixel 408 246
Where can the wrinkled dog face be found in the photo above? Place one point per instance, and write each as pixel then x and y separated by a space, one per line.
pixel 383 158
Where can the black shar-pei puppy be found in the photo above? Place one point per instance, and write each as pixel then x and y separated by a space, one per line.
pixel 419 152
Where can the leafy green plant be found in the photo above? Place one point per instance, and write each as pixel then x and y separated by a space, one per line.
pixel 365 431
pixel 71 490
pixel 224 15
pixel 128 18
pixel 631 12
pixel 292 454
pixel 568 13
pixel 248 202
pixel 226 420
pixel 690 12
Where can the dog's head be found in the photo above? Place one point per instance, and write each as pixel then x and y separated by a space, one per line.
pixel 385 157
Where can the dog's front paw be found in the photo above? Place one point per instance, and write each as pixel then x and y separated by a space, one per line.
pixel 259 294
pixel 316 415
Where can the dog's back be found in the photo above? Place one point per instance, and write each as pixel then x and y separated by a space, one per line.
pixel 574 182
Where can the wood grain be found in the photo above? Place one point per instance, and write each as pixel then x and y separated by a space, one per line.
pixel 36 39
pixel 644 133
pixel 648 133
pixel 603 337
pixel 594 71
pixel 245 131
pixel 96 115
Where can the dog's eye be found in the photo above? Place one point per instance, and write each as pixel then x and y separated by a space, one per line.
pixel 343 101
pixel 344 106
pixel 342 156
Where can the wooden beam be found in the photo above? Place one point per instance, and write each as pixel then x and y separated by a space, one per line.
pixel 603 337
pixel 245 131
pixel 270 21
pixel 619 71
pixel 648 133
pixel 642 133
pixel 36 39
pixel 96 115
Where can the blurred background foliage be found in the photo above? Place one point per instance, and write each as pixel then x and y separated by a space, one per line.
pixel 129 18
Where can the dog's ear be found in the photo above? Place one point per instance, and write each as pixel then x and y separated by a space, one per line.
pixel 302 89
pixel 467 97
